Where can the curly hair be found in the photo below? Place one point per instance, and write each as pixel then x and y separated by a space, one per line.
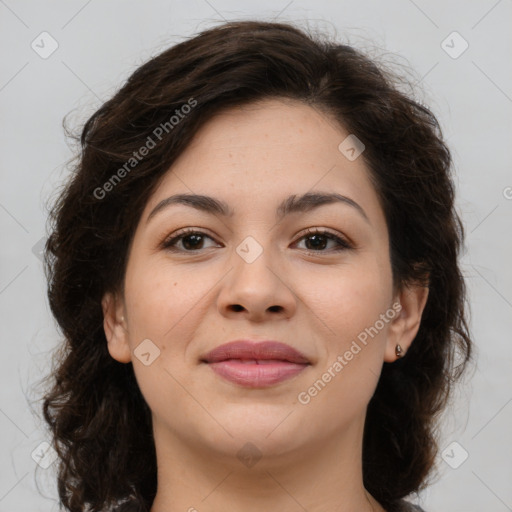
pixel 100 423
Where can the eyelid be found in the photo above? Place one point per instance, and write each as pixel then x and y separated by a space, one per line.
pixel 344 243
pixel 181 233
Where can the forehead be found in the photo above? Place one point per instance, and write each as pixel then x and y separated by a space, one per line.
pixel 259 153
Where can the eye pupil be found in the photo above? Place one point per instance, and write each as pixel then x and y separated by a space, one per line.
pixel 318 239
pixel 197 238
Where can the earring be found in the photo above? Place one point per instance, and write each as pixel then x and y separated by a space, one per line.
pixel 398 351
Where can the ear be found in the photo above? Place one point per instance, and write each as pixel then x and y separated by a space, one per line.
pixel 404 327
pixel 116 331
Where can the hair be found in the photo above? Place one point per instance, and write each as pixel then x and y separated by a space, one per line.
pixel 99 420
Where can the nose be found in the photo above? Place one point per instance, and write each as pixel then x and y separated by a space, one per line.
pixel 257 291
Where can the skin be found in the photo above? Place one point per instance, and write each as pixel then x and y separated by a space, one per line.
pixel 253 157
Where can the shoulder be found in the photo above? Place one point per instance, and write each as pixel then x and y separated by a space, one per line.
pixel 405 506
pixel 131 506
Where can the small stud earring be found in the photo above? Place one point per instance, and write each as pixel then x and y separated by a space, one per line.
pixel 398 351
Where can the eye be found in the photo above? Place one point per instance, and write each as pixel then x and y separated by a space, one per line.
pixel 318 239
pixel 190 240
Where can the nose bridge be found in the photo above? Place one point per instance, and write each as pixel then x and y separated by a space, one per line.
pixel 253 261
pixel 255 283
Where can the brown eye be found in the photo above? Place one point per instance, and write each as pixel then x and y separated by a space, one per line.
pixel 189 240
pixel 317 241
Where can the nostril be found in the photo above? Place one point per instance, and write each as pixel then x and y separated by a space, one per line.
pixel 238 307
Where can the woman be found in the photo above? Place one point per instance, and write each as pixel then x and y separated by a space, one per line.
pixel 255 269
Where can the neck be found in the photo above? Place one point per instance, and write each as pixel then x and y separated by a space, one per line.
pixel 324 476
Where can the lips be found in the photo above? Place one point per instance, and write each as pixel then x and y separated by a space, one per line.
pixel 256 365
pixel 261 352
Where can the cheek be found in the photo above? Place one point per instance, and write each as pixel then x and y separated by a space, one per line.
pixel 159 296
pixel 163 305
pixel 348 300
pixel 352 345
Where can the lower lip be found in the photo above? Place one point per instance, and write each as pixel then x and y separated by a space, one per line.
pixel 254 375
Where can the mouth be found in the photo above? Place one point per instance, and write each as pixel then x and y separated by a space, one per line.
pixel 256 365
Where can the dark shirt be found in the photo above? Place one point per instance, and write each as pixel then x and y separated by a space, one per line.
pixel 405 506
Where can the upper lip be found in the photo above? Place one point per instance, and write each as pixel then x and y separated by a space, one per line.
pixel 247 349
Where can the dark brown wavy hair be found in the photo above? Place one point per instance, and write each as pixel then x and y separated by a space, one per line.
pixel 100 423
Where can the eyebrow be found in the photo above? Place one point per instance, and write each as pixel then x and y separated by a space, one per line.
pixel 292 204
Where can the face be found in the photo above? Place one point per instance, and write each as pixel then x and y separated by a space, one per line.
pixel 316 278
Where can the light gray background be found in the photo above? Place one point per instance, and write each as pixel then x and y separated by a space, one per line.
pixel 102 42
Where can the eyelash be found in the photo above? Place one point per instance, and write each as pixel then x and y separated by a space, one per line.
pixel 344 245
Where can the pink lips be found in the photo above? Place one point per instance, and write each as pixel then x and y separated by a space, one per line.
pixel 256 364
